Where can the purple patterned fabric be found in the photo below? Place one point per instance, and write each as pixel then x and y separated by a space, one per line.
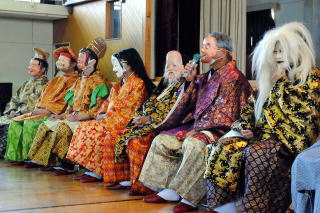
pixel 211 104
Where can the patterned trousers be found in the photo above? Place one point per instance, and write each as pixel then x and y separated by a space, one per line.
pixel 267 167
pixel 176 165
pixel 48 144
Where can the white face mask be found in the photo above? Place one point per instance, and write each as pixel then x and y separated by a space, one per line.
pixel 117 68
pixel 278 54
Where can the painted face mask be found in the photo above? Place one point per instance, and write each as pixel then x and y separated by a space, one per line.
pixel 210 59
pixel 63 63
pixel 278 56
pixel 117 68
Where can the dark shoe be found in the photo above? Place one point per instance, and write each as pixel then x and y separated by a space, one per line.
pixel 60 172
pixel 133 193
pixel 211 212
pixel 17 163
pixel 157 199
pixel 30 165
pixel 117 187
pixel 183 207
pixel 47 169
pixel 89 179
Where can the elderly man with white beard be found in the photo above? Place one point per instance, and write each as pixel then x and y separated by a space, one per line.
pixel 135 142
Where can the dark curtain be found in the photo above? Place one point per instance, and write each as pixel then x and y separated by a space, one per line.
pixel 5 94
pixel 177 28
pixel 166 32
pixel 258 22
pixel 189 28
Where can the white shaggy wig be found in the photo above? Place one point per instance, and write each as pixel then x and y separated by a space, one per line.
pixel 298 54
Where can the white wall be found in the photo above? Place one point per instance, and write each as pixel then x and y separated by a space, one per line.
pixel 289 10
pixel 18 37
pixel 306 11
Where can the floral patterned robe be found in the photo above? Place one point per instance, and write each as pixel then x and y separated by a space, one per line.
pixel 93 142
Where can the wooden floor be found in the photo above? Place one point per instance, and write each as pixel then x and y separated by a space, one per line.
pixel 31 190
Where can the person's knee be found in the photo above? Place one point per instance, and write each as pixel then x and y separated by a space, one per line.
pixel 193 144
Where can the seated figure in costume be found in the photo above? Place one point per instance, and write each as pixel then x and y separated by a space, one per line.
pixel 175 163
pixel 271 131
pixel 85 97
pixel 135 142
pixel 26 97
pixel 305 180
pixel 94 138
pixel 24 127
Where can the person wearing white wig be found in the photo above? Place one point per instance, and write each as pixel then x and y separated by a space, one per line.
pixel 253 161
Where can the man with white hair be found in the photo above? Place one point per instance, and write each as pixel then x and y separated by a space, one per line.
pixel 271 131
pixel 135 142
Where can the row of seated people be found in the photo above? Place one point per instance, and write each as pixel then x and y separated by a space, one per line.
pixel 191 136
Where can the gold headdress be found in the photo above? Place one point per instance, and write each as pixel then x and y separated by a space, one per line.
pixel 98 46
pixel 41 53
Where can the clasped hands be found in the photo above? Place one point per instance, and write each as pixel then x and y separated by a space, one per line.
pixel 140 120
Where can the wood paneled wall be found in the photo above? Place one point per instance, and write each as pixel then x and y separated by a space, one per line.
pixel 89 20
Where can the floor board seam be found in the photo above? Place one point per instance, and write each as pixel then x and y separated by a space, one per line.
pixel 57 206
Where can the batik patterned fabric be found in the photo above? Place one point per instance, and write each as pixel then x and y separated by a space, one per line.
pixel 209 104
pixel 156 108
pixel 21 134
pixel 289 124
pixel 92 139
pixel 23 102
pixel 224 157
pixel 86 97
pixel 50 144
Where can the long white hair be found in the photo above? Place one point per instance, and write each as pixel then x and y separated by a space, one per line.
pixel 298 55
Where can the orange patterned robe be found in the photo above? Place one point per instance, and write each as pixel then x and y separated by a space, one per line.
pixel 92 139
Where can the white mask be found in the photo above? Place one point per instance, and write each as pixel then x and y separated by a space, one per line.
pixel 117 68
pixel 278 54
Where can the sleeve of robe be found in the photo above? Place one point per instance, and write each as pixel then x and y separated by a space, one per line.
pixel 52 96
pixel 14 102
pixel 122 107
pixel 247 119
pixel 25 99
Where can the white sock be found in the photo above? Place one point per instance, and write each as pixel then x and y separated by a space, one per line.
pixel 31 161
pixel 92 174
pixel 188 202
pixel 58 168
pixel 125 183
pixel 169 194
pixel 227 208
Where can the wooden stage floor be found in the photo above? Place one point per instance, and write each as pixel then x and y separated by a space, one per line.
pixel 31 190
